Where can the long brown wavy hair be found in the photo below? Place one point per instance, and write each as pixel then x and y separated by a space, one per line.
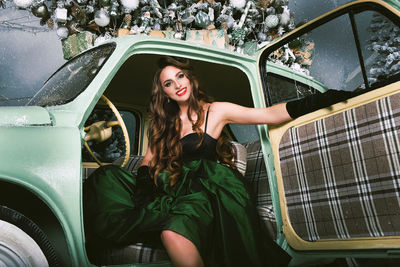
pixel 165 124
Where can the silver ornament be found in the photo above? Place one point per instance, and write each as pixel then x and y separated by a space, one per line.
pixel 271 21
pixel 187 17
pixel 23 3
pixel 262 37
pixel 62 32
pixel 157 26
pixel 40 11
pixel 101 17
pixel 202 19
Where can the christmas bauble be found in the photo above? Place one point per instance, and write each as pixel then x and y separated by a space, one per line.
pixel 262 37
pixel 23 3
pixel 62 32
pixel 271 21
pixel 40 11
pixel 238 4
pixel 187 17
pixel 101 17
pixel 130 4
pixel 202 19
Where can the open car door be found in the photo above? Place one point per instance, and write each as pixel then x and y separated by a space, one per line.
pixel 337 170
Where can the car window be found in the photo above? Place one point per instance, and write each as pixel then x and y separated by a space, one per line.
pixel 114 147
pixel 379 42
pixel 283 89
pixel 72 78
pixel 354 51
pixel 244 133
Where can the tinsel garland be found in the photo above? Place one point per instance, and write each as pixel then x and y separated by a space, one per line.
pixel 244 21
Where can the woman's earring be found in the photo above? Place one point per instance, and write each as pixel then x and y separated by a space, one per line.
pixel 168 100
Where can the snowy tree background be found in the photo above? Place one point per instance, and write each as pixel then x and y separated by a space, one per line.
pixel 385 42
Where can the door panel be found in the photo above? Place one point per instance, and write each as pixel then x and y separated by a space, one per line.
pixel 338 169
pixel 339 175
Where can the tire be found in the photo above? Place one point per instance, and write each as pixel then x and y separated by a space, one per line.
pixel 22 242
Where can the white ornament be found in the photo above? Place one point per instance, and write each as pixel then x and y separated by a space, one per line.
pixel 211 13
pixel 23 3
pixel 62 32
pixel 288 53
pixel 244 15
pixel 271 21
pixel 178 35
pixel 61 14
pixel 238 4
pixel 285 16
pixel 101 17
pixel 130 4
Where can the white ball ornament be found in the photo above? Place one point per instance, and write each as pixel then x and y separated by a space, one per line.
pixel 62 32
pixel 23 3
pixel 130 4
pixel 271 21
pixel 238 4
pixel 101 17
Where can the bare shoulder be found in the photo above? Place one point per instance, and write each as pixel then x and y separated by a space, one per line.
pixel 218 107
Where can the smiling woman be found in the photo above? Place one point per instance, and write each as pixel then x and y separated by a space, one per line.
pixel 200 209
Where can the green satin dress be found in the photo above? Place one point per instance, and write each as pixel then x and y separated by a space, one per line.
pixel 210 205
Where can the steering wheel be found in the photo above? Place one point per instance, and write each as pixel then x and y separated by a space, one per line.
pixel 100 131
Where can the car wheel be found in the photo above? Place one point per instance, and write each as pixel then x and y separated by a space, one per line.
pixel 22 242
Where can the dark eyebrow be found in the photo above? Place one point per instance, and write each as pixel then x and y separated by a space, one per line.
pixel 166 81
pixel 176 75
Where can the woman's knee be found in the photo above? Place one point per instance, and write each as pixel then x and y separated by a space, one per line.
pixel 168 235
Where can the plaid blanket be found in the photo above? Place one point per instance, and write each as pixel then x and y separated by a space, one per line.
pixel 341 174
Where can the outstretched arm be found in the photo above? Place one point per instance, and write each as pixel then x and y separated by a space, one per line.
pixel 232 113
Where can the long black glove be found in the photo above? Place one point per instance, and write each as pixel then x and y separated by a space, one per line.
pixel 317 101
pixel 145 188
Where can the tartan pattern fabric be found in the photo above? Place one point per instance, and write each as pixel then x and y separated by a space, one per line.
pixel 241 157
pixel 341 174
pixel 136 253
pixel 133 163
pixel 256 174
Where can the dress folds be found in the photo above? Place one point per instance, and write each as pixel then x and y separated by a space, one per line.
pixel 210 205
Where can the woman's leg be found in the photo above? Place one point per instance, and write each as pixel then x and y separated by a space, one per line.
pixel 183 252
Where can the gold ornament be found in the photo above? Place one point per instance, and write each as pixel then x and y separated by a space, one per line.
pixel 128 20
pixel 50 23
pixel 263 3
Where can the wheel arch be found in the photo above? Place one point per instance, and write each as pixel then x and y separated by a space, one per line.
pixel 23 200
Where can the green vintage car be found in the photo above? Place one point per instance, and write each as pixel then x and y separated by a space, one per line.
pixel 327 183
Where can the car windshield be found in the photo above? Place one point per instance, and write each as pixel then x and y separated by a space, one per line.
pixel 72 78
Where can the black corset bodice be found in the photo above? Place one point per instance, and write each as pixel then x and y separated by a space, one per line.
pixel 207 149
